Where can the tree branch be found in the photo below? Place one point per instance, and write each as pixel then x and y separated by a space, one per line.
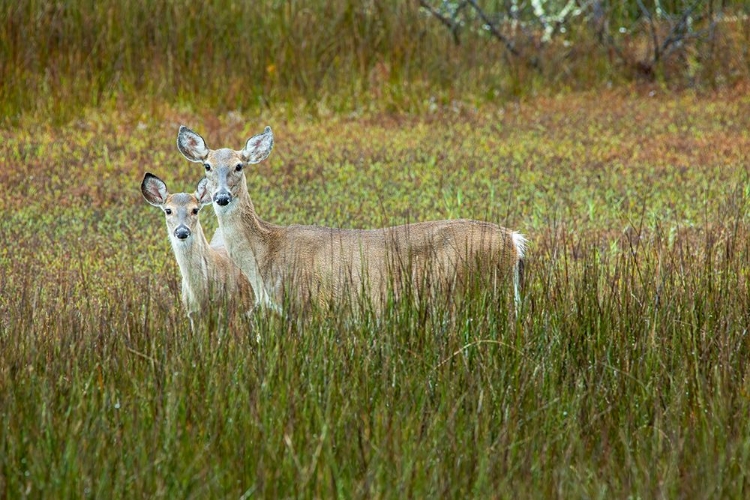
pixel 451 24
pixel 493 29
pixel 654 36
pixel 677 34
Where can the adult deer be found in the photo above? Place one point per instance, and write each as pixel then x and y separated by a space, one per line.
pixel 209 277
pixel 326 265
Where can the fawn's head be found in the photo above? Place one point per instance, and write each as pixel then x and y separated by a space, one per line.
pixel 225 168
pixel 181 209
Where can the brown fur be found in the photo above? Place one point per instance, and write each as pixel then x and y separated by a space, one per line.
pixel 326 265
pixel 209 277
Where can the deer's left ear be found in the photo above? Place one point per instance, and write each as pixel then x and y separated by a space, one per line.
pixel 258 147
pixel 202 193
pixel 191 145
pixel 154 189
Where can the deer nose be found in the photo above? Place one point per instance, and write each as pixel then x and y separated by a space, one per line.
pixel 182 232
pixel 222 199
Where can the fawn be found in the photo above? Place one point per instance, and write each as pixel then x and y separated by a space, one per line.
pixel 209 277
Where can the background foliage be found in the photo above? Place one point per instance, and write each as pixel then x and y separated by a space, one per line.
pixel 346 55
pixel 624 375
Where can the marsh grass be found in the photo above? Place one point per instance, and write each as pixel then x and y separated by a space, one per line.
pixel 626 372
pixel 624 375
pixel 57 59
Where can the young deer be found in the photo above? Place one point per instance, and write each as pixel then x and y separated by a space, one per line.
pixel 327 265
pixel 208 275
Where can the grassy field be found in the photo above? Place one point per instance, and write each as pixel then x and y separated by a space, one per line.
pixel 625 375
pixel 350 55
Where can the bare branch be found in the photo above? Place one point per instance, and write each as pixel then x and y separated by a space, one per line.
pixel 602 32
pixel 518 22
pixel 654 36
pixel 609 41
pixel 451 24
pixel 687 37
pixel 678 32
pixel 493 29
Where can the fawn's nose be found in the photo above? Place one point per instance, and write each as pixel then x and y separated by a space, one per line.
pixel 182 232
pixel 222 199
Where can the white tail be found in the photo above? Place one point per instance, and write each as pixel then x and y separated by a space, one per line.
pixel 327 265
pixel 208 274
pixel 519 241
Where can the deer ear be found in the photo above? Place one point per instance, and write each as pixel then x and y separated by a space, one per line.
pixel 258 147
pixel 202 193
pixel 154 189
pixel 191 145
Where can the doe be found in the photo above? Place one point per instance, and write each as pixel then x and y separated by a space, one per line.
pixel 312 264
pixel 209 277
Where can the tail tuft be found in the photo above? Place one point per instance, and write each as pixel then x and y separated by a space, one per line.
pixel 519 241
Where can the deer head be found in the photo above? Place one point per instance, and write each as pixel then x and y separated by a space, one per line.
pixel 225 168
pixel 180 209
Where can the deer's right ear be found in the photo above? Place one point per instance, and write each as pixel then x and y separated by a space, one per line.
pixel 201 192
pixel 191 145
pixel 154 190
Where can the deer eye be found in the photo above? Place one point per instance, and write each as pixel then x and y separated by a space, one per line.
pixel 207 167
pixel 168 211
pixel 238 168
pixel 195 211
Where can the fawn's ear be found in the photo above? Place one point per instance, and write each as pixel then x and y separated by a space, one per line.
pixel 202 193
pixel 154 190
pixel 258 147
pixel 191 145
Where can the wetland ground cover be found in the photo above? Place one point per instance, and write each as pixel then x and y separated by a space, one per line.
pixel 625 374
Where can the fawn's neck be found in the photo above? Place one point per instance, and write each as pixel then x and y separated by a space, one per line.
pixel 193 258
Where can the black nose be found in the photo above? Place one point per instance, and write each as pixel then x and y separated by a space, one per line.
pixel 182 232
pixel 222 199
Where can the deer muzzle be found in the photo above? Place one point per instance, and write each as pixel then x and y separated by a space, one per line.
pixel 182 232
pixel 222 198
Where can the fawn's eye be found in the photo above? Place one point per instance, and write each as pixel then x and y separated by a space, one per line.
pixel 195 211
pixel 168 211
pixel 238 168
pixel 207 167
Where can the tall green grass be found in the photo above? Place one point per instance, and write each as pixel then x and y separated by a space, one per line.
pixel 625 374
pixel 343 55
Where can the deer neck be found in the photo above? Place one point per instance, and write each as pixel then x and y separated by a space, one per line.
pixel 246 238
pixel 193 258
